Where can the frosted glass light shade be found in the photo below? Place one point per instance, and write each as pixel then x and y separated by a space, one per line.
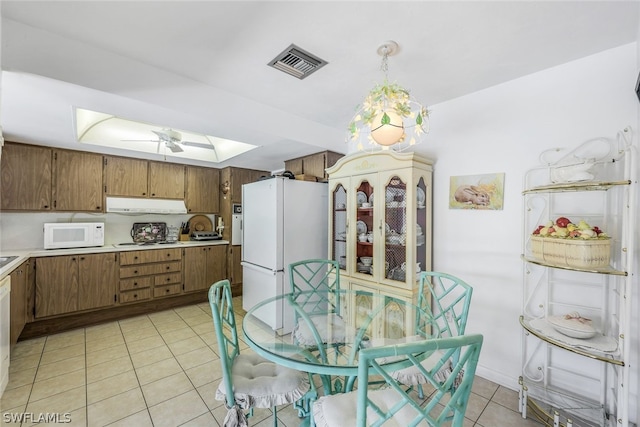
pixel 387 130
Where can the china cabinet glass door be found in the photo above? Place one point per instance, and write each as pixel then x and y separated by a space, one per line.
pixel 395 229
pixel 339 222
pixel 365 225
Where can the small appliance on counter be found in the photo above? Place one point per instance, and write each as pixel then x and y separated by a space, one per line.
pixel 148 232
pixel 66 235
pixel 205 235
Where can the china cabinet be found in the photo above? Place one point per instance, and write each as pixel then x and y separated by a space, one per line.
pixel 380 227
pixel 579 373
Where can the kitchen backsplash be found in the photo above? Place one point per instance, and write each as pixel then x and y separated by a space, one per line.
pixel 24 230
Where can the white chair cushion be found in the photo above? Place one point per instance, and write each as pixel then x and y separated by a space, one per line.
pixel 411 375
pixel 339 410
pixel 260 383
pixel 331 329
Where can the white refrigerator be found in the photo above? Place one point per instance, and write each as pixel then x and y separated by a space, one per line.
pixel 284 221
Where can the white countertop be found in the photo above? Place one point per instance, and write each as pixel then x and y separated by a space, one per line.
pixel 24 254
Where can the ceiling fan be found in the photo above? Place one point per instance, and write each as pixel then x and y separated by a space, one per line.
pixel 173 140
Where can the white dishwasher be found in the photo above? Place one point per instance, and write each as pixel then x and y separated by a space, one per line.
pixel 5 290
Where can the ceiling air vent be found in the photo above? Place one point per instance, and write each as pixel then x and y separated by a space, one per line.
pixel 297 62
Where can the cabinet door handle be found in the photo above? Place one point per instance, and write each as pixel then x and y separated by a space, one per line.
pixel 135 295
pixel 135 271
pixel 135 283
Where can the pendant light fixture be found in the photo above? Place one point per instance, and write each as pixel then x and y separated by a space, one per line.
pixel 389 117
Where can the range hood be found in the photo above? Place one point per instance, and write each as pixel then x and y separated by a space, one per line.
pixel 133 205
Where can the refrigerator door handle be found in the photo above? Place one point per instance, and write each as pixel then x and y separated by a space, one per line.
pixel 258 268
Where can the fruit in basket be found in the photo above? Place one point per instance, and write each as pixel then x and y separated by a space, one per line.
pixel 563 228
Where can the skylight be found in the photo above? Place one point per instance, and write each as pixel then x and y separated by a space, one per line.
pixel 107 130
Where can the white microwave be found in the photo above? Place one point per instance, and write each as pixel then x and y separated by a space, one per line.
pixel 63 235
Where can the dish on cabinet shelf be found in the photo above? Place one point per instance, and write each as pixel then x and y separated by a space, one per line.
pixel 395 195
pixel 421 197
pixel 371 198
pixel 361 197
pixel 361 227
pixel 572 325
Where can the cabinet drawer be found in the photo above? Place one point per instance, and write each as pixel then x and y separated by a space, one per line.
pixel 151 255
pixel 167 279
pixel 135 283
pixel 148 269
pixel 133 296
pixel 162 291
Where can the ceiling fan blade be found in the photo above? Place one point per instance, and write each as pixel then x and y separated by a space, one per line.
pixel 174 147
pixel 198 144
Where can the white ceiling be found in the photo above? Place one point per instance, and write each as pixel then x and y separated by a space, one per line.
pixel 201 66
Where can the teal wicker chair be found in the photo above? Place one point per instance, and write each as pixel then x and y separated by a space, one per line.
pixel 448 299
pixel 445 406
pixel 312 284
pixel 249 381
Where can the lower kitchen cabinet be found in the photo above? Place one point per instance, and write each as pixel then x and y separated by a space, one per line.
pixel 65 284
pixel 19 299
pixel 203 266
pixel 150 274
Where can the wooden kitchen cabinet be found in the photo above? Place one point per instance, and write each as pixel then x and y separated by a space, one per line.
pixel 202 190
pixel 26 176
pixel 313 164
pixel 149 274
pixel 166 180
pixel 125 177
pixel 65 284
pixel 97 278
pixel 203 266
pixel 77 181
pixel 232 179
pixel 18 301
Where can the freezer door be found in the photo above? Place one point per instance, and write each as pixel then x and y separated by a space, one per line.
pixel 259 284
pixel 262 222
pixel 305 220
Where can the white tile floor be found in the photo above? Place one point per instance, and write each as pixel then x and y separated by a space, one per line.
pixel 158 370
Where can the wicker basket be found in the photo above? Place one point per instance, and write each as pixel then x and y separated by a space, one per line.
pixel 593 253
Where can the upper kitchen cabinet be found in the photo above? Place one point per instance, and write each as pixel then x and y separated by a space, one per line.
pixel 26 177
pixel 313 165
pixel 77 181
pixel 166 180
pixel 202 190
pixel 127 177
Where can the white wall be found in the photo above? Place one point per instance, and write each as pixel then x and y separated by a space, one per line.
pixel 503 129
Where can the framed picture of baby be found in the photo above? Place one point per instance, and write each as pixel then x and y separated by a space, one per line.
pixel 477 191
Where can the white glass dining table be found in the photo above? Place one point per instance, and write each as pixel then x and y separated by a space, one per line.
pixel 336 331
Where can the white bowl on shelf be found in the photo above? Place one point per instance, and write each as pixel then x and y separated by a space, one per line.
pixel 572 327
pixel 366 260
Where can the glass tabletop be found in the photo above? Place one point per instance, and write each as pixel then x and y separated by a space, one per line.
pixel 324 332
